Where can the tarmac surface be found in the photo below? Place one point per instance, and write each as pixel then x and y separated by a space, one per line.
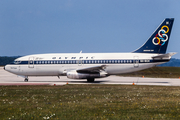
pixel 7 78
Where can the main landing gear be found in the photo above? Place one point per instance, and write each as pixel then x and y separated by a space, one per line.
pixel 90 80
pixel 26 79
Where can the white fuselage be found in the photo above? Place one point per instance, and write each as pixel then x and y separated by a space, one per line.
pixel 96 65
pixel 59 64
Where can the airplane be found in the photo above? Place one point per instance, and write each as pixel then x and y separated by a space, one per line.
pixel 97 65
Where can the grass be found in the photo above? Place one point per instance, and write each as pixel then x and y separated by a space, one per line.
pixel 89 102
pixel 157 72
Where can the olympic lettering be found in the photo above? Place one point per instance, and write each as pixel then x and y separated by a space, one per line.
pixel 161 37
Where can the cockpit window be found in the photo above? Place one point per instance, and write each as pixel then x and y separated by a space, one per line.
pixel 17 62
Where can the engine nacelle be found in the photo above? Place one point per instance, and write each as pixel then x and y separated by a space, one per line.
pixel 76 75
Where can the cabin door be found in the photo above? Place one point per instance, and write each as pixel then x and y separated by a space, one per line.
pixel 136 61
pixel 31 62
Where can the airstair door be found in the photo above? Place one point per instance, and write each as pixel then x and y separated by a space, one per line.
pixel 31 62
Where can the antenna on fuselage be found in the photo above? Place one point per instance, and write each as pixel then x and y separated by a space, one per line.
pixel 80 51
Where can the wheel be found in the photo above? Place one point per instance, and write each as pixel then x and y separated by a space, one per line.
pixel 90 80
pixel 26 80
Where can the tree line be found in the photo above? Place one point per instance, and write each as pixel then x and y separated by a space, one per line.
pixel 6 60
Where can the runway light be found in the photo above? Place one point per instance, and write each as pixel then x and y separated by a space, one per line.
pixel 142 76
pixel 54 84
pixel 133 83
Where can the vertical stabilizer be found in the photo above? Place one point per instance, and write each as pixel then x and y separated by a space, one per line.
pixel 158 41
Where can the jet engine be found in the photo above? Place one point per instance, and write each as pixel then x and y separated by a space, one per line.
pixel 76 75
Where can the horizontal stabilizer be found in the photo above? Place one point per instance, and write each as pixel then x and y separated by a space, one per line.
pixel 164 56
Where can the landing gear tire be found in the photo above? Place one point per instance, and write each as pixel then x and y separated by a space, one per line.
pixel 90 80
pixel 26 80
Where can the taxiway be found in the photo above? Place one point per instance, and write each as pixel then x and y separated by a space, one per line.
pixel 7 78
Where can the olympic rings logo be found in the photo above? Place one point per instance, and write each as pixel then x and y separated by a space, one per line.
pixel 161 37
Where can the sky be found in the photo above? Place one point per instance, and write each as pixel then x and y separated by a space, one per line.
pixel 93 26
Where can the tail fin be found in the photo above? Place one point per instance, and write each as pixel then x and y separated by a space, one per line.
pixel 158 41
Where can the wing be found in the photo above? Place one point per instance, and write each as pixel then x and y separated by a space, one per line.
pixel 95 69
